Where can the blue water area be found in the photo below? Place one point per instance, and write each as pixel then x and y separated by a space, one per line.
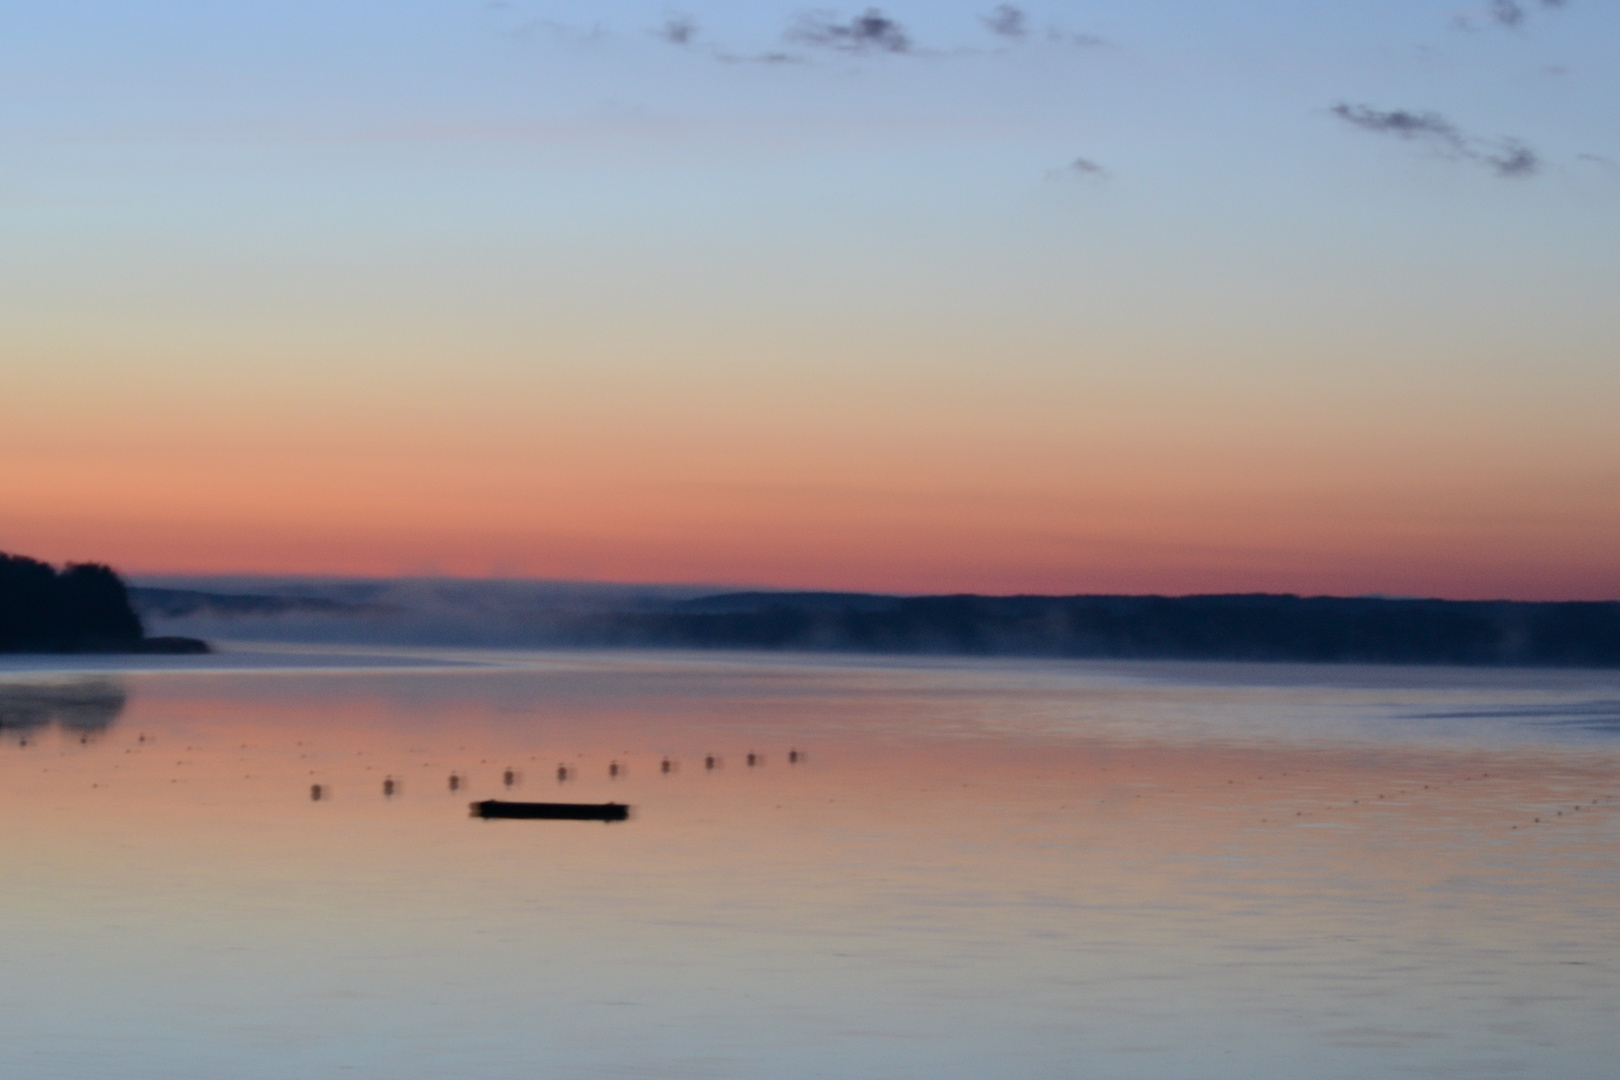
pixel 262 864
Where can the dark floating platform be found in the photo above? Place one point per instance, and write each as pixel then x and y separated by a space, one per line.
pixel 551 811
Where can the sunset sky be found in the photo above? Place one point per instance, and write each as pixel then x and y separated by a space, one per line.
pixel 1164 296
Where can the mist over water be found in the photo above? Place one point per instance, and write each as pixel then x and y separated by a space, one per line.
pixel 390 611
pixel 550 614
pixel 920 867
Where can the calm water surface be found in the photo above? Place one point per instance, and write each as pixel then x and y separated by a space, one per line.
pixel 974 869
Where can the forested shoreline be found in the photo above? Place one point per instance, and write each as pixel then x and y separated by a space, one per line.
pixel 1255 627
pixel 1262 627
pixel 83 607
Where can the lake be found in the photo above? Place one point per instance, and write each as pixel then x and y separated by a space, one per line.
pixel 932 868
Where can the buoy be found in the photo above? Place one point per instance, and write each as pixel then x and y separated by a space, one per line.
pixel 388 787
pixel 455 782
pixel 316 792
pixel 665 766
pixel 708 762
pixel 509 778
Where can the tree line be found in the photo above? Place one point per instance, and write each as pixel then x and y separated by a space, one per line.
pixel 83 607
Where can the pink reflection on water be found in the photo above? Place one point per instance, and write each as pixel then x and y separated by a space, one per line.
pixel 958 870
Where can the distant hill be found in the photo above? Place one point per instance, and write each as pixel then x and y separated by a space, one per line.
pixel 1235 627
pixel 533 614
pixel 80 608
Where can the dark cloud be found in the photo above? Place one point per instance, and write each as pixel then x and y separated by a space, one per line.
pixel 1008 21
pixel 871 31
pixel 1511 13
pixel 1079 168
pixel 1505 157
pixel 1511 158
pixel 1408 125
pixel 1507 12
pixel 678 30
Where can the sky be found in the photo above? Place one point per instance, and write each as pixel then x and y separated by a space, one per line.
pixel 1068 297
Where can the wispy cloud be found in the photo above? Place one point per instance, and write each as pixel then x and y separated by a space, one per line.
pixel 1007 21
pixel 1512 158
pixel 677 30
pixel 1509 13
pixel 1080 168
pixel 1505 157
pixel 1408 125
pixel 871 31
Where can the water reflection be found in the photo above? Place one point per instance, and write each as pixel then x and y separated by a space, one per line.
pixel 1599 717
pixel 82 707
pixel 954 873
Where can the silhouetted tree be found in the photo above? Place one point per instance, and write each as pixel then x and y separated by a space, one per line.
pixel 82 607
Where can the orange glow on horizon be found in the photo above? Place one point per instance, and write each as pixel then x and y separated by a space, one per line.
pixel 1154 531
